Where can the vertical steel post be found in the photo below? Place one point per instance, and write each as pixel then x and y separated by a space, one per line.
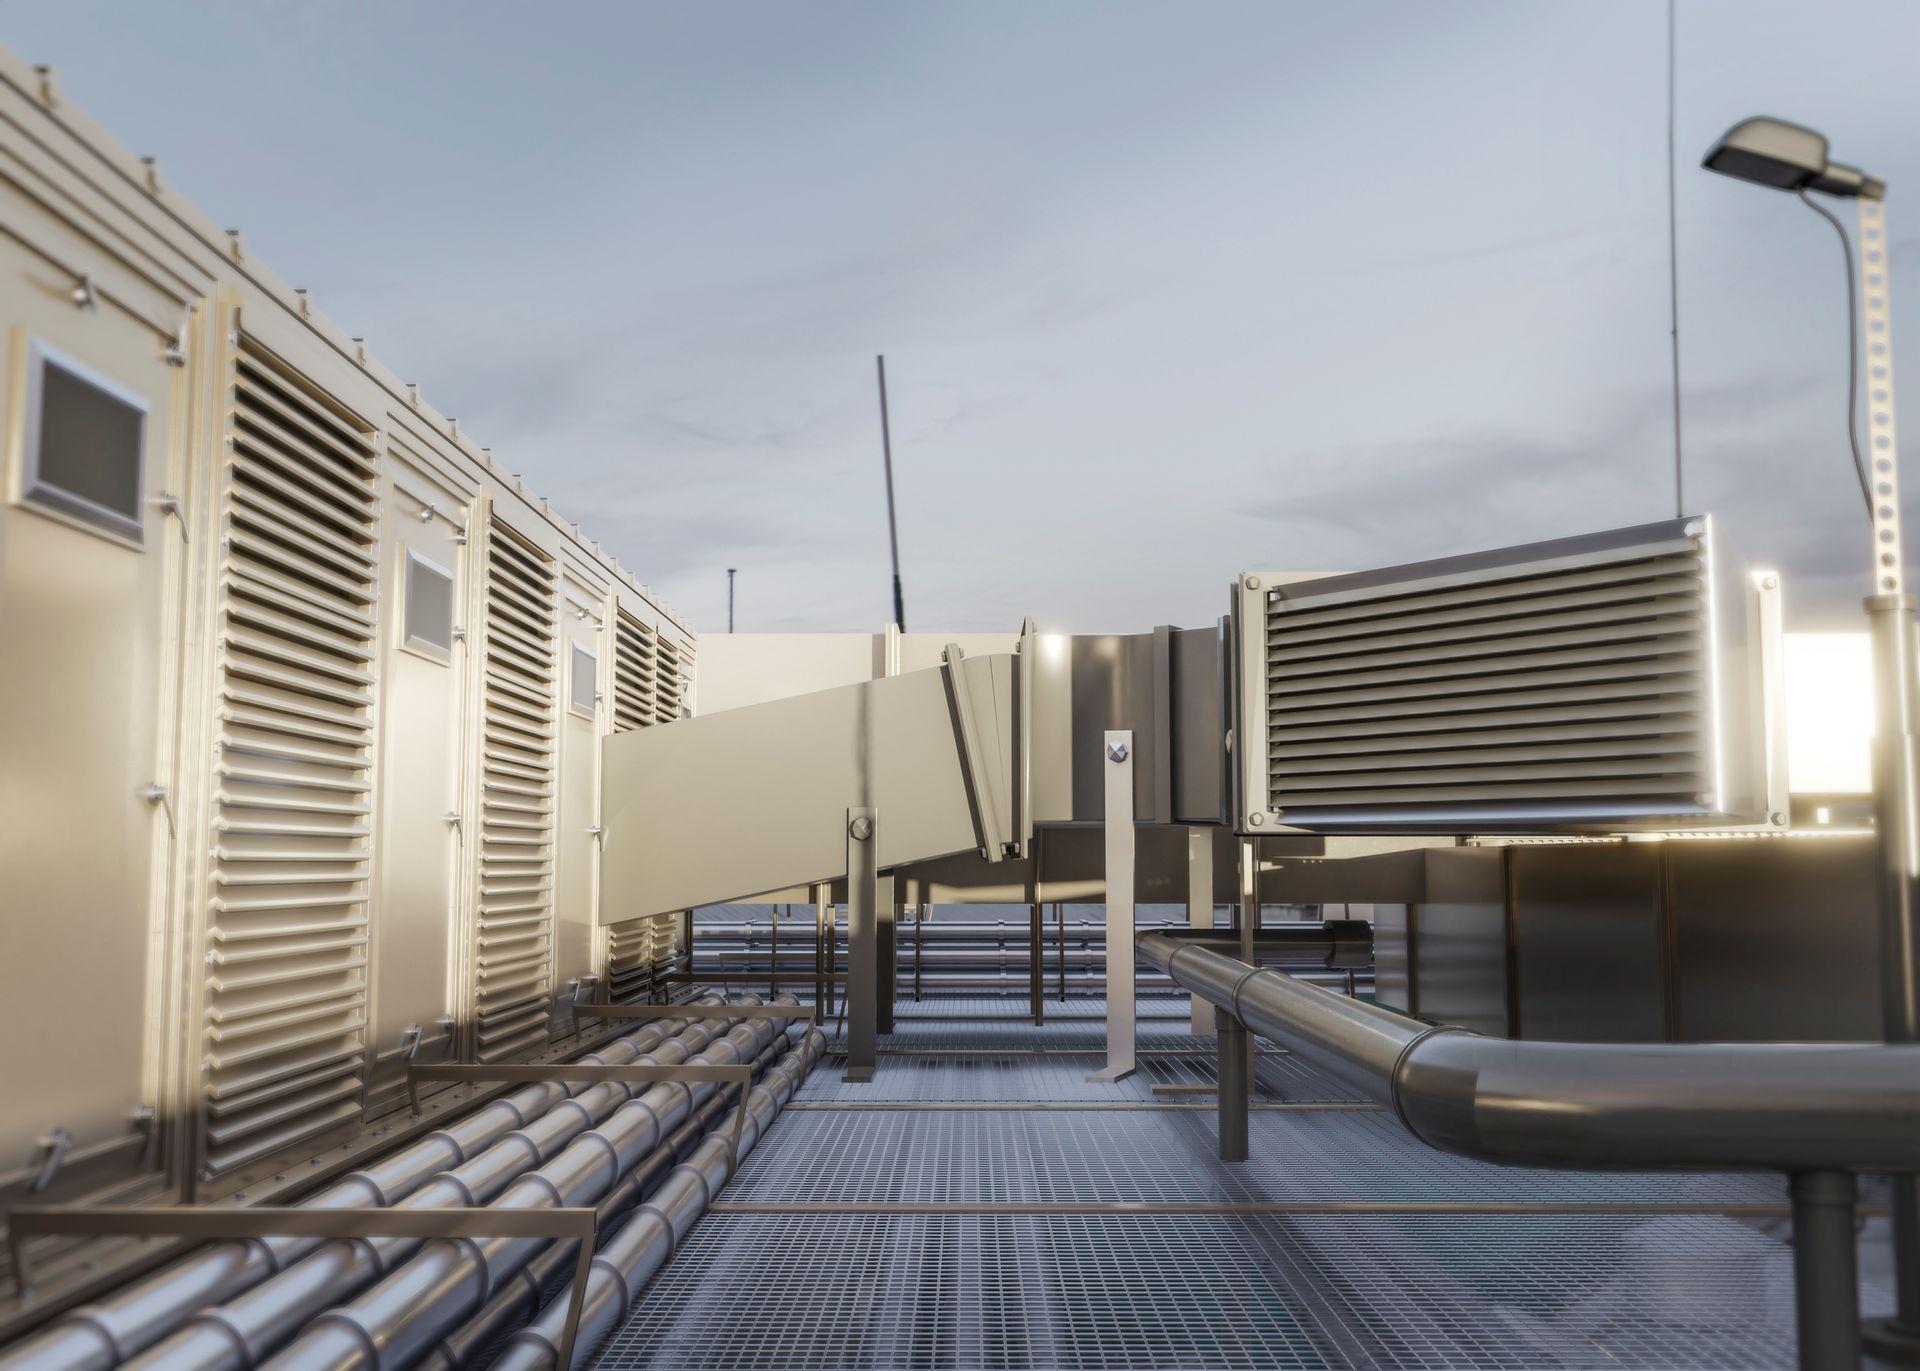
pixel 1826 1291
pixel 1060 928
pixel 772 974
pixel 863 918
pixel 893 528
pixel 919 951
pixel 1118 766
pixel 1249 915
pixel 1896 774
pixel 1200 910
pixel 1235 1082
pixel 886 966
pixel 1036 948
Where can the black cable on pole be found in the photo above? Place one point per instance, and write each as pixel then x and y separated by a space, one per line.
pixel 1673 272
pixel 893 530
pixel 1853 351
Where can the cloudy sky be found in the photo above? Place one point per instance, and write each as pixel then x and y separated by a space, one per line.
pixel 1167 291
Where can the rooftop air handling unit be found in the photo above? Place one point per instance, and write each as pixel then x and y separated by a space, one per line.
pixel 1608 682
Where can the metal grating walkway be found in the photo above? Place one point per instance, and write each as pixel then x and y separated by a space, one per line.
pixel 980 1205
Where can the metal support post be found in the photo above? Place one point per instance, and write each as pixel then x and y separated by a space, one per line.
pixel 863 917
pixel 919 952
pixel 886 968
pixel 1200 910
pixel 1236 1092
pixel 1826 1293
pixel 1036 948
pixel 1896 802
pixel 1060 942
pixel 1248 919
pixel 1118 766
pixel 773 956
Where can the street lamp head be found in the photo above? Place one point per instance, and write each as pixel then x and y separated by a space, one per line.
pixel 1772 152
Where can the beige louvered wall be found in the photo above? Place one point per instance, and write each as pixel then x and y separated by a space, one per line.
pixel 287 931
pixel 513 964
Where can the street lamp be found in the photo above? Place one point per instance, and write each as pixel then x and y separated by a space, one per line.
pixel 1783 156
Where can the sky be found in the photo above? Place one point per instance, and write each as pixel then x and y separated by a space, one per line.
pixel 1167 291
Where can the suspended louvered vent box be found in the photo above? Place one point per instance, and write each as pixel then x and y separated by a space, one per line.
pixel 1616 681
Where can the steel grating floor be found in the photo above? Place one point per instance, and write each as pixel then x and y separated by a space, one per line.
pixel 979 1204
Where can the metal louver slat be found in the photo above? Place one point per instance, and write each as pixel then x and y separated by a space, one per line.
pixel 1559 683
pixel 635 674
pixel 513 942
pixel 286 999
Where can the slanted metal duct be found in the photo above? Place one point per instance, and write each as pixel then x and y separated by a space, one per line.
pixel 1611 681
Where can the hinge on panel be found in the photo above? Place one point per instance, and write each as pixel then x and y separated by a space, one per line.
pixel 157 794
pixel 84 295
pixel 168 503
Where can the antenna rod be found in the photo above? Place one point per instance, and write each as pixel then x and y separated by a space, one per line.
pixel 893 528
pixel 730 571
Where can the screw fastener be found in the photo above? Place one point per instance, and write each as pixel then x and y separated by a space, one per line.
pixel 861 828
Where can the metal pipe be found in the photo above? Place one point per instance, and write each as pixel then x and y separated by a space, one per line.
pixel 401 1317
pixel 99 1336
pixel 1826 1290
pixel 245 1330
pixel 632 1256
pixel 1772 1106
pixel 519 1302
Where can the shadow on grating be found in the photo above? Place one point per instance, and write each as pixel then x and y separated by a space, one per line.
pixel 1216 1292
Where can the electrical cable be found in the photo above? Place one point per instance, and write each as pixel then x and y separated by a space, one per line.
pixel 1853 352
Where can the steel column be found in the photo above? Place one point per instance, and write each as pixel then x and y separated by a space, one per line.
pixel 1118 768
pixel 1060 928
pixel 1896 802
pixel 863 959
pixel 1036 946
pixel 1826 1293
pixel 886 967
pixel 1200 909
pixel 1236 1091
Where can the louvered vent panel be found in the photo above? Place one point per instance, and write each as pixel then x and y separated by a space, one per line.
pixel 629 959
pixel 1550 691
pixel 514 942
pixel 675 680
pixel 635 674
pixel 287 936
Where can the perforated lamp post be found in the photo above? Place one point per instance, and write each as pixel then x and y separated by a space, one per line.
pixel 1783 156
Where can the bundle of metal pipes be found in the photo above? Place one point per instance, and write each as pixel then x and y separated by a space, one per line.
pixel 273 1285
pixel 403 1318
pixel 955 957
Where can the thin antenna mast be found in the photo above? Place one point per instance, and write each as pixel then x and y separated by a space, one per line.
pixel 730 571
pixel 893 528
pixel 1673 271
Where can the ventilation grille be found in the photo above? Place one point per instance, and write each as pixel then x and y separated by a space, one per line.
pixel 1557 690
pixel 637 952
pixel 635 674
pixel 514 944
pixel 287 934
pixel 676 679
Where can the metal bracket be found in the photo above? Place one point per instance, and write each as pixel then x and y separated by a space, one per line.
pixel 206 1223
pixel 168 503
pixel 739 1076
pixel 157 794
pixel 973 756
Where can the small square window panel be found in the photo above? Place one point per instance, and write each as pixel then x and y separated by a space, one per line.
pixel 584 682
pixel 429 608
pixel 84 446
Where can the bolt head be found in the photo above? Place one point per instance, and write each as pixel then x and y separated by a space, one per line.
pixel 861 828
pixel 1253 583
pixel 1777 819
pixel 1256 818
pixel 1771 582
pixel 1116 752
pixel 1694 528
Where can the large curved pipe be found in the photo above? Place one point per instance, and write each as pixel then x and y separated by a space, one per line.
pixel 1767 1106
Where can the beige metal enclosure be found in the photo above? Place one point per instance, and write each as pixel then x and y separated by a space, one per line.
pixel 300 770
